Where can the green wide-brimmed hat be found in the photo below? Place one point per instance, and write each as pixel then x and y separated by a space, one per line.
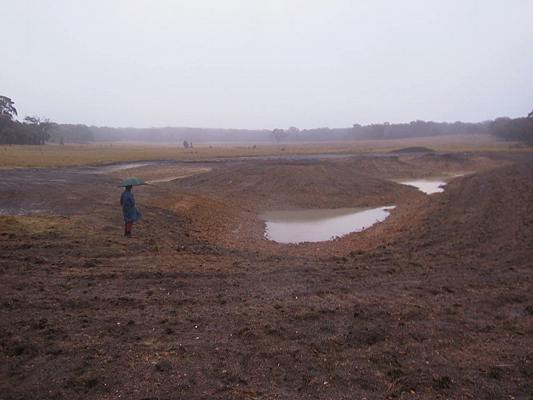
pixel 133 181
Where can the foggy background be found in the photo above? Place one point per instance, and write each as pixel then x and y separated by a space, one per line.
pixel 267 64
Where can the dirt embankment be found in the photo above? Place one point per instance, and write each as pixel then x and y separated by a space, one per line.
pixel 223 205
pixel 486 215
pixel 444 310
pixel 424 165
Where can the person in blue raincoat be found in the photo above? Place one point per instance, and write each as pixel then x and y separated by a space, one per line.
pixel 130 212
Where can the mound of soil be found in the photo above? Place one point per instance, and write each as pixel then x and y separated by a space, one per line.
pixel 452 163
pixel 481 214
pixel 422 165
pixel 414 149
pixel 269 185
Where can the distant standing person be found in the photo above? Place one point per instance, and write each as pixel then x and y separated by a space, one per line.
pixel 130 212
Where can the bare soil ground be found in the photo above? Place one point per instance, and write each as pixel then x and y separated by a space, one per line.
pixel 436 302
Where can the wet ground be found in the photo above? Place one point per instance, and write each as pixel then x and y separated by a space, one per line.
pixel 434 302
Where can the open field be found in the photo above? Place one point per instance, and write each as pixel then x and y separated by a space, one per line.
pixel 94 154
pixel 434 302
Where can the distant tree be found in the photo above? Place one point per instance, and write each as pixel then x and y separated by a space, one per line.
pixel 71 133
pixel 33 130
pixel 7 108
pixel 293 130
pixel 185 144
pixel 376 131
pixel 518 129
pixel 7 123
pixel 39 129
pixel 279 135
pixel 8 134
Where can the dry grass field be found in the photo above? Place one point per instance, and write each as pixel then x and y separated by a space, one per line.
pixel 106 153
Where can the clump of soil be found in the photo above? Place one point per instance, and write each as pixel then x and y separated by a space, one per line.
pixel 414 149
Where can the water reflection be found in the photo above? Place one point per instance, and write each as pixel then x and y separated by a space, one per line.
pixel 321 224
pixel 427 186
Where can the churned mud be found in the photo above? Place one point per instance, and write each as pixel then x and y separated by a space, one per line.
pixel 434 302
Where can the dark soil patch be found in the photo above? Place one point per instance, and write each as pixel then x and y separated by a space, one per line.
pixel 414 149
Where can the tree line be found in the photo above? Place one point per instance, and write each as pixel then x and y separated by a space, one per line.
pixel 510 129
pixel 37 130
pixel 516 130
pixel 34 130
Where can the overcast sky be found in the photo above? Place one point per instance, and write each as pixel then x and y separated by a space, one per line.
pixel 267 63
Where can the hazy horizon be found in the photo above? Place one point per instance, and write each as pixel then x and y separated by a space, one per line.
pixel 262 65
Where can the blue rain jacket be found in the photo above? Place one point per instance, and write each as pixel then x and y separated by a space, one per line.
pixel 127 201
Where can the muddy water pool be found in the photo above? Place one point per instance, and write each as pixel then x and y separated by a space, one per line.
pixel 428 186
pixel 320 225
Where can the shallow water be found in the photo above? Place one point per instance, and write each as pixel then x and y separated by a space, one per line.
pixel 321 224
pixel 107 169
pixel 428 186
